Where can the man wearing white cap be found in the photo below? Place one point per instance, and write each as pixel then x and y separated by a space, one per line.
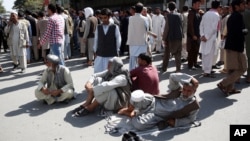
pixel 17 38
pixel 89 33
pixel 178 108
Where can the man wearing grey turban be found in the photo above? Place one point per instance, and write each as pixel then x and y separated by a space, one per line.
pixel 56 84
pixel 110 89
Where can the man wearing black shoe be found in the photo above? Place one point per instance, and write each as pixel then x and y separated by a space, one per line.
pixel 193 35
pixel 235 57
pixel 18 39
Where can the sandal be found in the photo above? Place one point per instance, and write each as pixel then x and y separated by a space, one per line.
pixel 77 109
pixel 208 75
pixel 222 88
pixel 82 112
pixel 234 91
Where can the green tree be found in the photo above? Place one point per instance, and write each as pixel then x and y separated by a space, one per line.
pixel 32 5
pixel 2 9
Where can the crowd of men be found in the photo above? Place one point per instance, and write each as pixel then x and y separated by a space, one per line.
pixel 102 36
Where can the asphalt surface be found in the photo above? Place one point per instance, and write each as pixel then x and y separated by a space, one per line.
pixel 23 118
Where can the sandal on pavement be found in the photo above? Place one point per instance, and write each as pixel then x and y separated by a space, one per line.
pixel 208 75
pixel 77 109
pixel 222 88
pixel 82 112
pixel 234 91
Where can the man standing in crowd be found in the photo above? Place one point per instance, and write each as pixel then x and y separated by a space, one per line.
pixel 107 41
pixel 184 15
pixel 172 37
pixel 54 33
pixel 80 31
pixel 18 38
pixel 41 28
pixel 137 35
pixel 124 31
pixel 246 17
pixel 89 33
pixel 33 23
pixel 234 47
pixel 3 24
pixel 21 18
pixel 209 29
pixel 193 34
pixel 158 23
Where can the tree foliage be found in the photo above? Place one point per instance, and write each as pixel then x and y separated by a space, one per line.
pixel 32 5
pixel 2 9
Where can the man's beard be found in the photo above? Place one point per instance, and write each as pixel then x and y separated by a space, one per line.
pixel 186 98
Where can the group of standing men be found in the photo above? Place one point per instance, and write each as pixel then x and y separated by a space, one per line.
pixel 33 36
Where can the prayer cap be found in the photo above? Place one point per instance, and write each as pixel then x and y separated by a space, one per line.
pixel 14 12
pixel 53 59
pixel 137 96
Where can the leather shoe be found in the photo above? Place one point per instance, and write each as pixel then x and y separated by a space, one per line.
pixel 197 66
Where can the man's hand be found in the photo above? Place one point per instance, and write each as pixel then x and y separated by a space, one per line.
pixel 194 37
pixel 203 38
pixel 45 91
pixel 171 122
pixel 56 92
pixel 38 45
pixel 84 40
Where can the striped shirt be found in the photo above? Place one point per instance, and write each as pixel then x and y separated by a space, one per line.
pixel 54 31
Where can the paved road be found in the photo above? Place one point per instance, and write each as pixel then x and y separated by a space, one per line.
pixel 23 118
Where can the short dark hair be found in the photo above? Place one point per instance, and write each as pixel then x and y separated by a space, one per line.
pixel 41 14
pixel 145 57
pixel 138 7
pixel 185 8
pixel 52 8
pixel 59 9
pixel 171 6
pixel 28 12
pixel 215 4
pixel 194 1
pixel 106 11
pixel 98 11
pixel 20 14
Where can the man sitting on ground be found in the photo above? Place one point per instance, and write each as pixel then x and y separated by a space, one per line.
pixel 110 89
pixel 56 84
pixel 145 76
pixel 178 108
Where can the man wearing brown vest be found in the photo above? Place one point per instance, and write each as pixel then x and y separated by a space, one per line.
pixel 178 108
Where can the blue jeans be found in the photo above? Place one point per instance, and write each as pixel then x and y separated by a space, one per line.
pixel 56 49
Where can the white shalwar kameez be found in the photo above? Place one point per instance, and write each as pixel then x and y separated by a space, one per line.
pixel 209 28
pixel 134 52
pixel 158 24
pixel 17 52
